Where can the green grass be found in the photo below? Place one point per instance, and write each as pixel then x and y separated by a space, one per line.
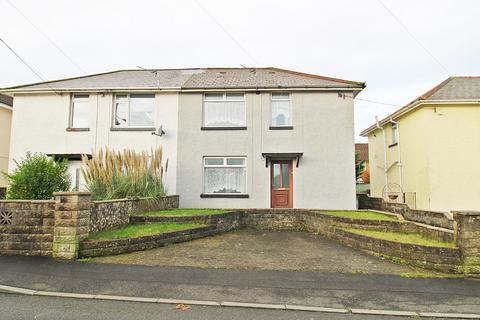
pixel 184 212
pixel 411 238
pixel 365 215
pixel 141 230
pixel 419 274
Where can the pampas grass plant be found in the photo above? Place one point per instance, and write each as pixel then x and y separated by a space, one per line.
pixel 125 174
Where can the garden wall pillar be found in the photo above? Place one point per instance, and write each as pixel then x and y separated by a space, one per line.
pixel 72 216
pixel 468 239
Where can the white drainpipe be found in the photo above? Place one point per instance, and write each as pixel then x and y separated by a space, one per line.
pixel 384 151
pixel 399 157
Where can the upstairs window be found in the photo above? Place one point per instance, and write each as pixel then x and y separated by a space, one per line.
pixel 80 112
pixel 224 110
pixel 134 111
pixel 224 175
pixel 281 109
pixel 394 133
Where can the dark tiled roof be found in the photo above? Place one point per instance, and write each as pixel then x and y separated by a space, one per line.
pixel 6 100
pixel 453 88
pixel 197 78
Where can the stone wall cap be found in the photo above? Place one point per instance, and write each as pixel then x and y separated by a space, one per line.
pixel 72 193
pixel 466 213
pixel 25 201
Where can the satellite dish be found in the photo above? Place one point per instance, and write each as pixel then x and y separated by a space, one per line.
pixel 392 192
pixel 159 131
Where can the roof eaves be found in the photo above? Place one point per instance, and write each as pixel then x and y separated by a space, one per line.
pixel 6 100
pixel 408 106
pixel 357 83
pixel 57 80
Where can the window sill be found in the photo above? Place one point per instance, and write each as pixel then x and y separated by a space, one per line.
pixel 77 129
pixel 222 128
pixel 393 145
pixel 281 127
pixel 220 195
pixel 133 129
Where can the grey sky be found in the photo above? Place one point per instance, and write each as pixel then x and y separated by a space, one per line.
pixel 350 39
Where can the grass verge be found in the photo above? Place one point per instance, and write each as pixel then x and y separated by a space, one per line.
pixel 141 230
pixel 363 215
pixel 184 212
pixel 430 275
pixel 411 238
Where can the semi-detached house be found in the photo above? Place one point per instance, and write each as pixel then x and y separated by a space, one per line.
pixel 234 137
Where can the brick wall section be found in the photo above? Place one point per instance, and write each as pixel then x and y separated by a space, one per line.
pixel 468 239
pixel 26 227
pixel 106 215
pixel 433 218
pixel 72 217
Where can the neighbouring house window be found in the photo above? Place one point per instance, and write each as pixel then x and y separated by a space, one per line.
pixel 80 111
pixel 394 133
pixel 134 110
pixel 281 109
pixel 224 110
pixel 224 175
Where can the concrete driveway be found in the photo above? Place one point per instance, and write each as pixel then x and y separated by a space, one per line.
pixel 261 250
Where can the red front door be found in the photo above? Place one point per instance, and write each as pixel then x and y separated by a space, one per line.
pixel 281 184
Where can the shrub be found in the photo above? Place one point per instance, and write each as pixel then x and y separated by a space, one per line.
pixel 37 177
pixel 116 175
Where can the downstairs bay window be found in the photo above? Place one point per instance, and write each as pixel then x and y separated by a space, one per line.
pixel 224 176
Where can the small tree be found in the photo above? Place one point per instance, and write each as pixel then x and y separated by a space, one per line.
pixel 37 177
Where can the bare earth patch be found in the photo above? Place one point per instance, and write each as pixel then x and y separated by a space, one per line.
pixel 265 250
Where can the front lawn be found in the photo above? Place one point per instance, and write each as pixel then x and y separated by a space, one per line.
pixel 141 230
pixel 365 215
pixel 184 212
pixel 411 238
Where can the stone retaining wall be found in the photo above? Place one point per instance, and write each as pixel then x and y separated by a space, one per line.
pixel 436 258
pixel 26 227
pixel 92 248
pixel 55 227
pixel 111 214
pixel 296 219
pixel 433 218
pixel 224 221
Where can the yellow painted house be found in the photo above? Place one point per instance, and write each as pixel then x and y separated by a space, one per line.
pixel 430 149
pixel 6 103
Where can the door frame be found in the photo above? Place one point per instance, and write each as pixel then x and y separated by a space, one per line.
pixel 290 180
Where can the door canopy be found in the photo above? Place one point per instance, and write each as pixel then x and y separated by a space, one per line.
pixel 282 156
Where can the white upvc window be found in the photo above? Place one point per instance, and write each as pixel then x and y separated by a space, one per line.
pixel 224 175
pixel 281 109
pixel 394 133
pixel 134 111
pixel 225 109
pixel 80 111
